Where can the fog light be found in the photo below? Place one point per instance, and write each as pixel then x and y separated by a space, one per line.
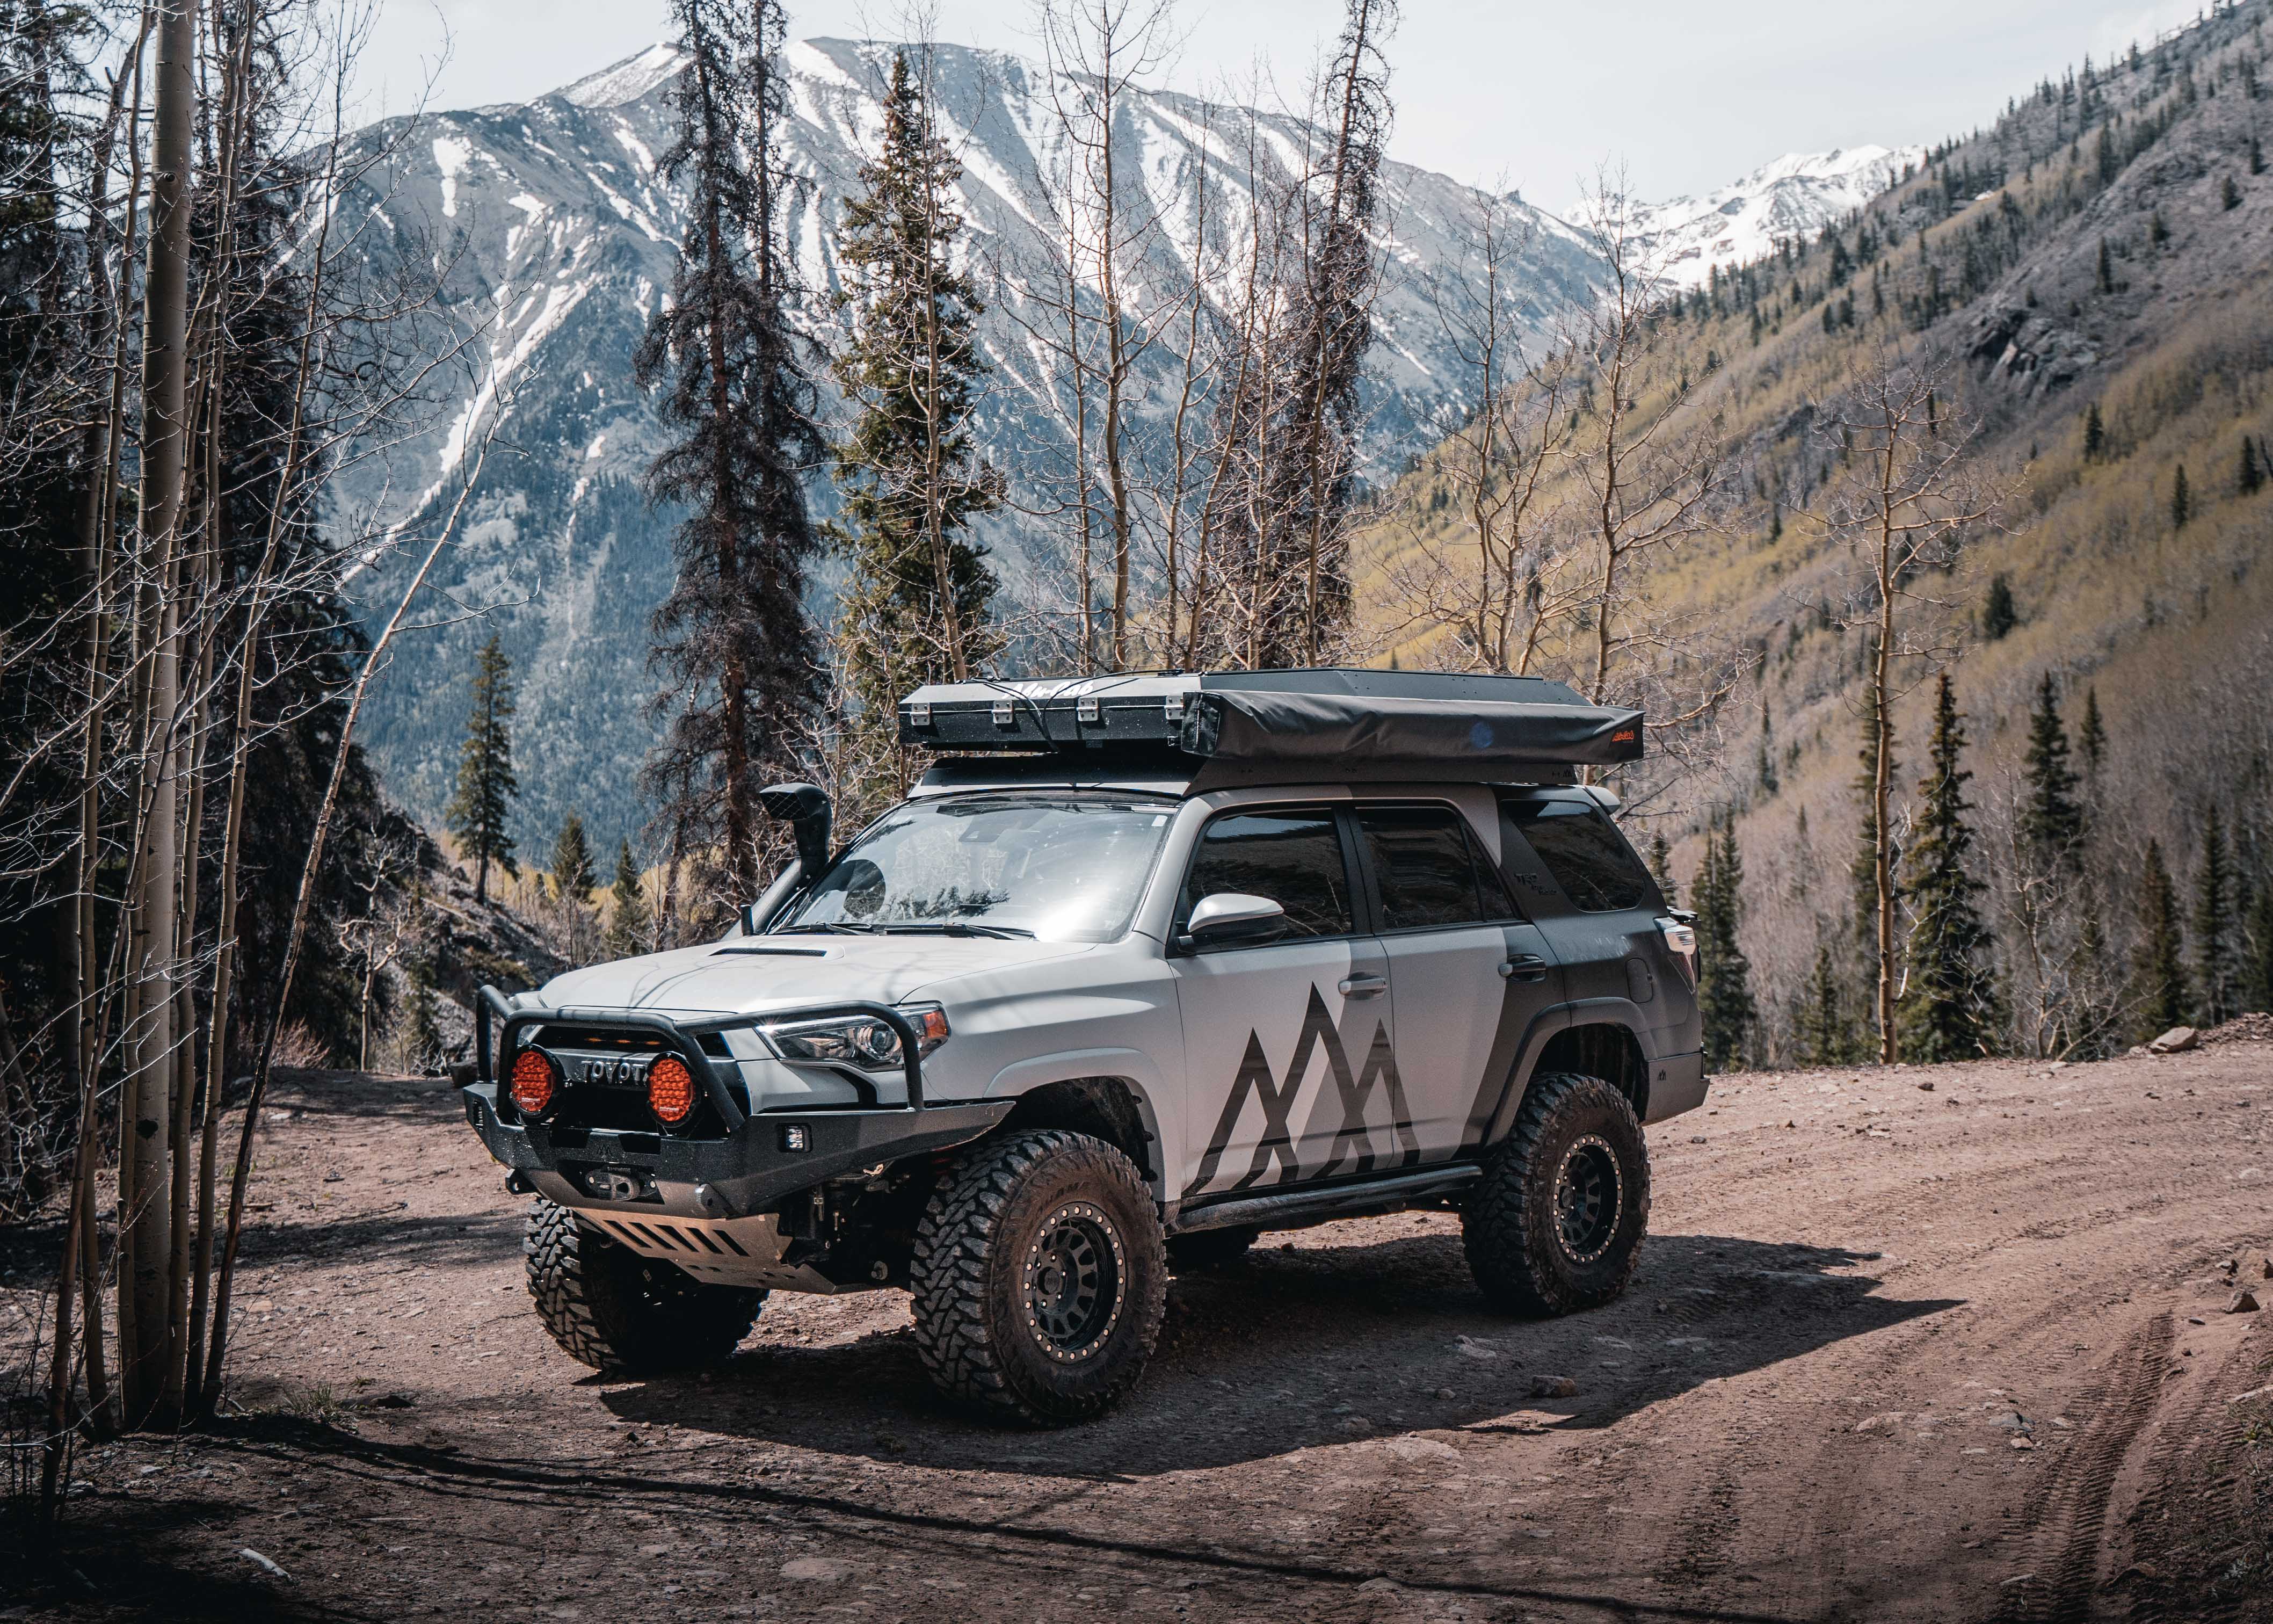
pixel 535 1078
pixel 794 1138
pixel 670 1089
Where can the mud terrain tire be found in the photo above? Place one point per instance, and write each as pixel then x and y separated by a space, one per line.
pixel 1209 1249
pixel 613 1309
pixel 1554 1225
pixel 1039 1276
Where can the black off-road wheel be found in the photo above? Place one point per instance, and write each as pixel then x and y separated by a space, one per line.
pixel 611 1309
pixel 1040 1277
pixel 1556 1224
pixel 1209 1249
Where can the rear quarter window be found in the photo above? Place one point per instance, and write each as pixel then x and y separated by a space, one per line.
pixel 1589 858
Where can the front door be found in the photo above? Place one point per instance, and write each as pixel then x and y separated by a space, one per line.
pixel 1287 1044
pixel 1469 973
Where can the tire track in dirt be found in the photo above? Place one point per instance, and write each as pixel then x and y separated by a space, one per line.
pixel 2207 1426
pixel 2069 1525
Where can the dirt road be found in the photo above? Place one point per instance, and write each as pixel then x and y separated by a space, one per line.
pixel 1892 1353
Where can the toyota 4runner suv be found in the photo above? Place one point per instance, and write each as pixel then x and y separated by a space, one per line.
pixel 1144 968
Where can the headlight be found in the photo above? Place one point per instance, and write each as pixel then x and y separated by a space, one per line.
pixel 863 1041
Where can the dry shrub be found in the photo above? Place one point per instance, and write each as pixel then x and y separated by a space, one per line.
pixel 299 1048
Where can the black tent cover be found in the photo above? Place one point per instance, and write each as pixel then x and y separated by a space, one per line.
pixel 1419 724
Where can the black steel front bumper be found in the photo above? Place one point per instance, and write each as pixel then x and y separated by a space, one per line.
pixel 748 1169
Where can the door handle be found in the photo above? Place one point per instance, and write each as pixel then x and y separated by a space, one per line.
pixel 1363 986
pixel 1524 967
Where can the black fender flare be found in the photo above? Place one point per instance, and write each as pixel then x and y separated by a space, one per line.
pixel 1490 1127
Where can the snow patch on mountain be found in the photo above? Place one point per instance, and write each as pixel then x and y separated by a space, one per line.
pixel 1797 195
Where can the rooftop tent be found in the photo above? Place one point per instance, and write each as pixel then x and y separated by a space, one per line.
pixel 1226 726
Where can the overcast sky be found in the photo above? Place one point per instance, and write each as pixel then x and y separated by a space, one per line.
pixel 1688 94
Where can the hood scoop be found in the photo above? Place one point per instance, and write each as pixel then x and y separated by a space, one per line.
pixel 770 952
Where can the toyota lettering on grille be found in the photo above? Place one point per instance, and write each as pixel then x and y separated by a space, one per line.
pixel 611 1072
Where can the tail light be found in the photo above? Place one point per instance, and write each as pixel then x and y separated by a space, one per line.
pixel 1681 941
pixel 671 1090
pixel 536 1078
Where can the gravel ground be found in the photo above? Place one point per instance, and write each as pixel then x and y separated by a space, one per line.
pixel 1912 1343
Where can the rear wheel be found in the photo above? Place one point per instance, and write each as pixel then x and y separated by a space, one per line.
pixel 611 1309
pixel 1556 1224
pixel 1039 1278
pixel 1207 1249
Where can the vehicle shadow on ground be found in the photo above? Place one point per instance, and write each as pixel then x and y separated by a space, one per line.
pixel 1330 1345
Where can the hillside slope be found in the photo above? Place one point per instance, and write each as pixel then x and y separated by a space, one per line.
pixel 2107 243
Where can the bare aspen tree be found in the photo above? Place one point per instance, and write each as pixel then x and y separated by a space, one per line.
pixel 1904 498
pixel 1647 457
pixel 146 1240
pixel 1498 580
pixel 1089 318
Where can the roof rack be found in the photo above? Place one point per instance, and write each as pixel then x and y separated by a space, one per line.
pixel 1438 725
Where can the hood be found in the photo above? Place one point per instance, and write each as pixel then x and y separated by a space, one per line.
pixel 751 974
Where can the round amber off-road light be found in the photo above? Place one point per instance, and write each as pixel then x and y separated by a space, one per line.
pixel 670 1089
pixel 534 1077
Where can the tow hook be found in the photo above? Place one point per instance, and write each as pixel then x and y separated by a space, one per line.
pixel 613 1185
pixel 516 1183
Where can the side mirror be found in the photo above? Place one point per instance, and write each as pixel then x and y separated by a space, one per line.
pixel 1228 919
pixel 805 808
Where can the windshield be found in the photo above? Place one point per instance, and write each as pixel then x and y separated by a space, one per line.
pixel 1062 868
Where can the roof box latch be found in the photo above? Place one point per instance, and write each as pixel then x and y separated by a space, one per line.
pixel 919 714
pixel 1172 707
pixel 1005 713
pixel 1086 710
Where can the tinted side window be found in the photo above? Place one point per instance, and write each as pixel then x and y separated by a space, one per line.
pixel 1585 852
pixel 1294 857
pixel 1428 868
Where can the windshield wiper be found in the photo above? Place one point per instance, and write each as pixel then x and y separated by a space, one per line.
pixel 957 927
pixel 832 927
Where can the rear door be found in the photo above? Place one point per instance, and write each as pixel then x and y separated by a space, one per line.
pixel 1466 970
pixel 1598 903
pixel 1283 1034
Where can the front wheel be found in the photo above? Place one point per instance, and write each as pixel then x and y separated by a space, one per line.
pixel 611 1309
pixel 1556 1224
pixel 1040 1277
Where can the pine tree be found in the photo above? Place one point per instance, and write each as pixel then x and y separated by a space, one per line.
pixel 2213 922
pixel 2052 817
pixel 2252 479
pixel 2256 157
pixel 1332 318
pixel 1661 865
pixel 628 921
pixel 572 878
pixel 2182 505
pixel 740 657
pixel 2159 973
pixel 2106 265
pixel 1724 989
pixel 2257 986
pixel 2095 434
pixel 1999 615
pixel 915 609
pixel 1948 1006
pixel 2092 739
pixel 2230 195
pixel 1827 1037
pixel 486 785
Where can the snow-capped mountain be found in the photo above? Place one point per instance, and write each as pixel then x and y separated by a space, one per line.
pixel 561 236
pixel 1796 196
